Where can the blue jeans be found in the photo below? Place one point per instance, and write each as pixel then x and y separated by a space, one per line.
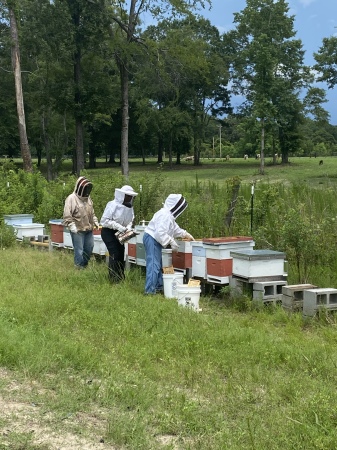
pixel 154 275
pixel 83 243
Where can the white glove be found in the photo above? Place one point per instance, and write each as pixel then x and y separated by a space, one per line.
pixel 119 227
pixel 72 227
pixel 189 236
pixel 174 245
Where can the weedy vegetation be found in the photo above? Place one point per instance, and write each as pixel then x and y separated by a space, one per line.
pixel 90 365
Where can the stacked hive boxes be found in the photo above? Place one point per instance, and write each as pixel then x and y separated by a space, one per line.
pixel 219 262
pixel 56 232
pixel 140 249
pixel 23 226
pixel 198 260
pixel 182 259
pixel 130 250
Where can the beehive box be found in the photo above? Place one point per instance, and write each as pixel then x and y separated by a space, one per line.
pixel 220 248
pixel 140 254
pixel 67 241
pixel 56 231
pixel 28 230
pixel 131 252
pixel 99 246
pixel 198 260
pixel 182 259
pixel 166 257
pixel 11 219
pixel 257 264
pixel 140 229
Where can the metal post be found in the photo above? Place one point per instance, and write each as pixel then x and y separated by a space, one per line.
pixel 251 208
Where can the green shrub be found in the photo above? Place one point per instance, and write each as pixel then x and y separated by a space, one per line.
pixel 7 236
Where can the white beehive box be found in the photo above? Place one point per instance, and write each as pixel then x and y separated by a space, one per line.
pixel 198 260
pixel 67 241
pixel 258 263
pixel 11 219
pixel 28 230
pixel 220 248
pixel 140 229
pixel 99 246
pixel 166 257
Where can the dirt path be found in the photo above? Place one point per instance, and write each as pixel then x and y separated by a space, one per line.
pixel 24 424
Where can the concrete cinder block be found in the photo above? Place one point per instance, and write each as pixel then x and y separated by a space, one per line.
pixel 321 298
pixel 269 288
pixel 292 296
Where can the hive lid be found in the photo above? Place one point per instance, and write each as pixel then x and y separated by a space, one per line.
pixel 28 225
pixel 226 240
pixel 257 254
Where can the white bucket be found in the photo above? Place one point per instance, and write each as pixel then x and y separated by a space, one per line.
pixel 171 283
pixel 189 296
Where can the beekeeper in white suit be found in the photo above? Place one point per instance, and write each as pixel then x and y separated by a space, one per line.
pixel 117 216
pixel 161 233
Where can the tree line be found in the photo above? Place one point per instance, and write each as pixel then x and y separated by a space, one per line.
pixel 86 79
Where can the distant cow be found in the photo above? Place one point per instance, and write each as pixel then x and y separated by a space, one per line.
pixel 189 158
pixel 227 158
pixel 245 157
pixel 321 162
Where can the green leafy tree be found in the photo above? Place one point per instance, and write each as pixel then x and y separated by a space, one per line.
pixel 326 61
pixel 267 66
pixel 127 41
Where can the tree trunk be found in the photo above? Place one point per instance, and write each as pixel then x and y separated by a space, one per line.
pixel 24 146
pixel 160 149
pixel 79 163
pixel 125 119
pixel 46 141
pixel 262 147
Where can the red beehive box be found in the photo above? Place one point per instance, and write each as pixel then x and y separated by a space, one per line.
pixel 132 250
pixel 56 231
pixel 219 267
pixel 96 232
pixel 182 260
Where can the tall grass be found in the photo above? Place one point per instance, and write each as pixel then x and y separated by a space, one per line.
pixel 168 377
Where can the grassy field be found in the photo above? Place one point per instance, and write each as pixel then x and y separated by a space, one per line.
pixel 298 169
pixel 85 365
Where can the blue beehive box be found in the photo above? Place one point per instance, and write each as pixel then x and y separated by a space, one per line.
pixel 18 219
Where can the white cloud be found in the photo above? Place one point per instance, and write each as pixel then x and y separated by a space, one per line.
pixel 306 2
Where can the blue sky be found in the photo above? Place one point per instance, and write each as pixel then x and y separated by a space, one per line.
pixel 314 20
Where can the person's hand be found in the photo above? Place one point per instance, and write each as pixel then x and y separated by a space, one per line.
pixel 96 224
pixel 129 226
pixel 174 245
pixel 72 228
pixel 189 236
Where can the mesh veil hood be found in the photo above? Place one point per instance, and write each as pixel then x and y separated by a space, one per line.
pixel 176 203
pixel 80 186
